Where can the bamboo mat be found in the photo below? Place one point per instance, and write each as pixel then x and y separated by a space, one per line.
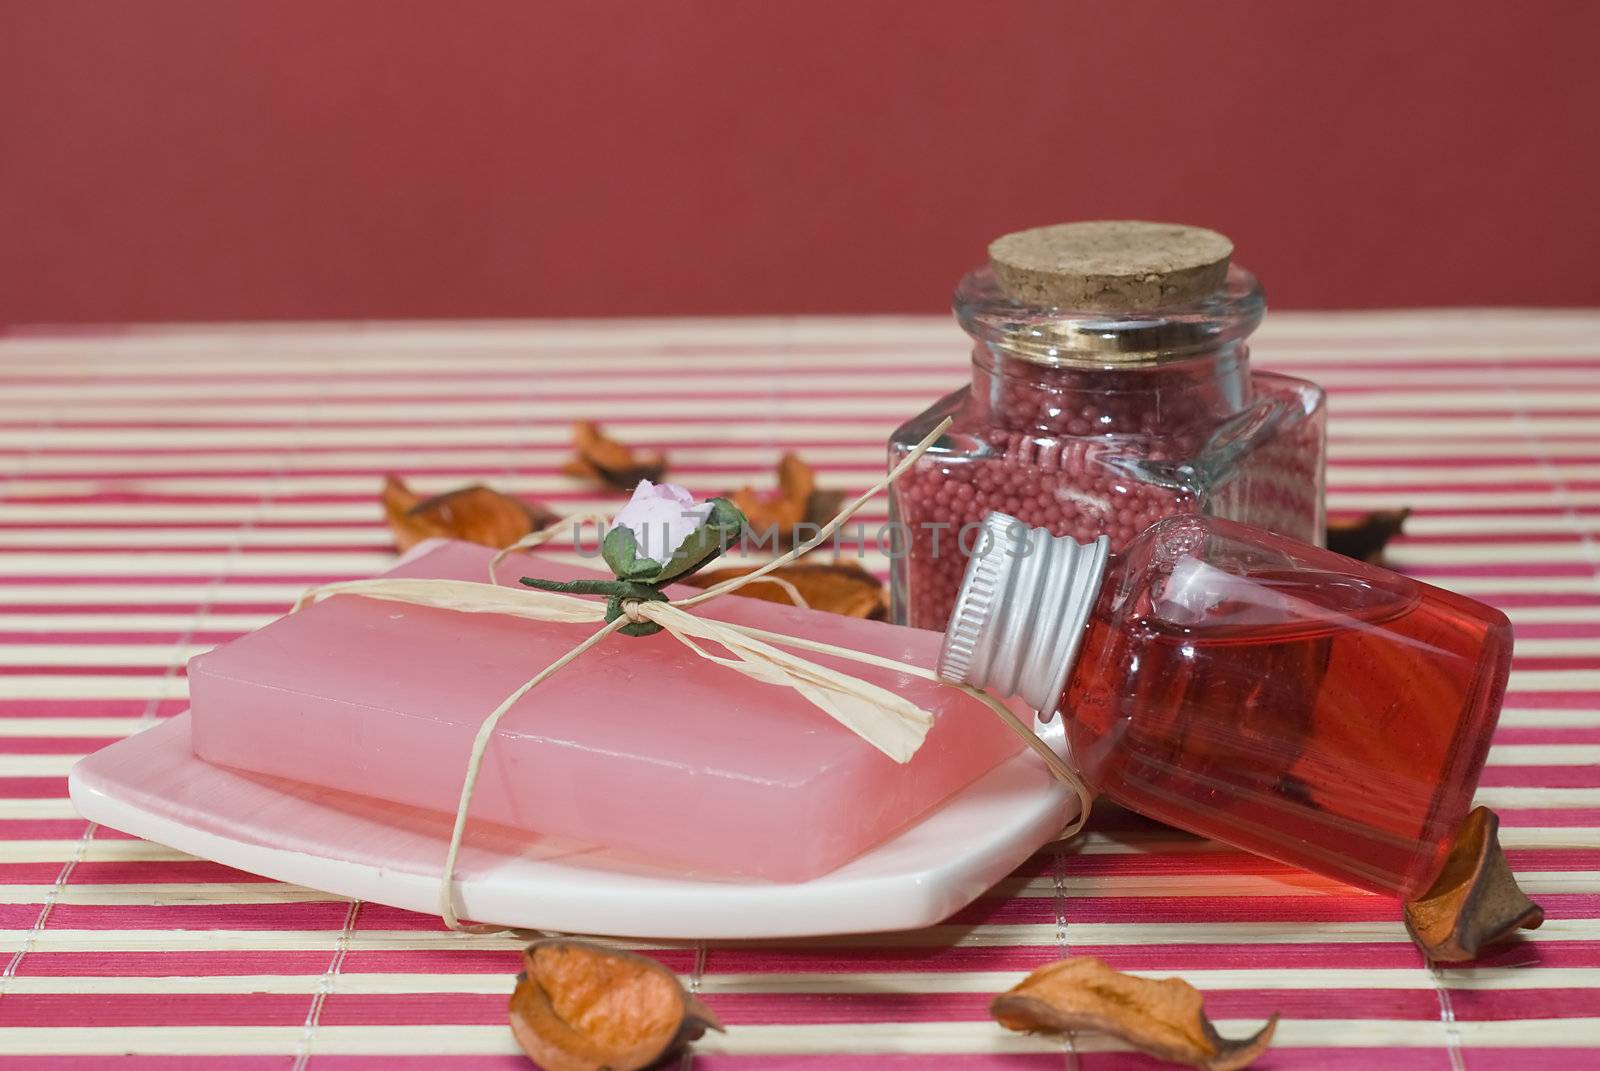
pixel 164 490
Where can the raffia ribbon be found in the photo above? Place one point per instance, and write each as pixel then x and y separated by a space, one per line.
pixel 887 721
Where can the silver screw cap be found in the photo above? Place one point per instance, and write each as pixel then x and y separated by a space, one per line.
pixel 1021 612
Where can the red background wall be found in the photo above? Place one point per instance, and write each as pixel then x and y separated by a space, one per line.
pixel 372 158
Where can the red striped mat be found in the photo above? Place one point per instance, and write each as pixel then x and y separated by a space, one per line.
pixel 162 491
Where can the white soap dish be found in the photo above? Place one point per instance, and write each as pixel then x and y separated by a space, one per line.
pixel 152 786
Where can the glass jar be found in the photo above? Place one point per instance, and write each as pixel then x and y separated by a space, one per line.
pixel 1096 422
pixel 1266 693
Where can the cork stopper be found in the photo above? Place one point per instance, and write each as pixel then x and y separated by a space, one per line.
pixel 1110 265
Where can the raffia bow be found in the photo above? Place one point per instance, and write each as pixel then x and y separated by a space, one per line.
pixel 887 721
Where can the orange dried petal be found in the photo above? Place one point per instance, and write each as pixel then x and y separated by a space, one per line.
pixel 795 501
pixel 581 1007
pixel 1165 1017
pixel 476 514
pixel 605 461
pixel 1475 901
pixel 1364 537
pixel 839 588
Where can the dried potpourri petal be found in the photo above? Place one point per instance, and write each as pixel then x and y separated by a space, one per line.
pixel 1364 537
pixel 1475 901
pixel 1165 1017
pixel 605 461
pixel 476 514
pixel 781 510
pixel 822 507
pixel 582 1007
pixel 839 588
pixel 797 502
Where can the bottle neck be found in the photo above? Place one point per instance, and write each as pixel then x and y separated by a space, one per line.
pixel 1144 372
pixel 1155 399
pixel 1022 611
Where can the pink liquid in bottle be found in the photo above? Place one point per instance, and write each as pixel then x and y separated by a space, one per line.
pixel 1285 699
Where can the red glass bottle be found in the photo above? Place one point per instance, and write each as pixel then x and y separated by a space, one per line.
pixel 1282 698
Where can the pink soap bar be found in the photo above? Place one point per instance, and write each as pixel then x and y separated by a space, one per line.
pixel 640 746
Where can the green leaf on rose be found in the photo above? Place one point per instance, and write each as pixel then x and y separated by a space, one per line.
pixel 641 579
pixel 621 552
pixel 704 544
